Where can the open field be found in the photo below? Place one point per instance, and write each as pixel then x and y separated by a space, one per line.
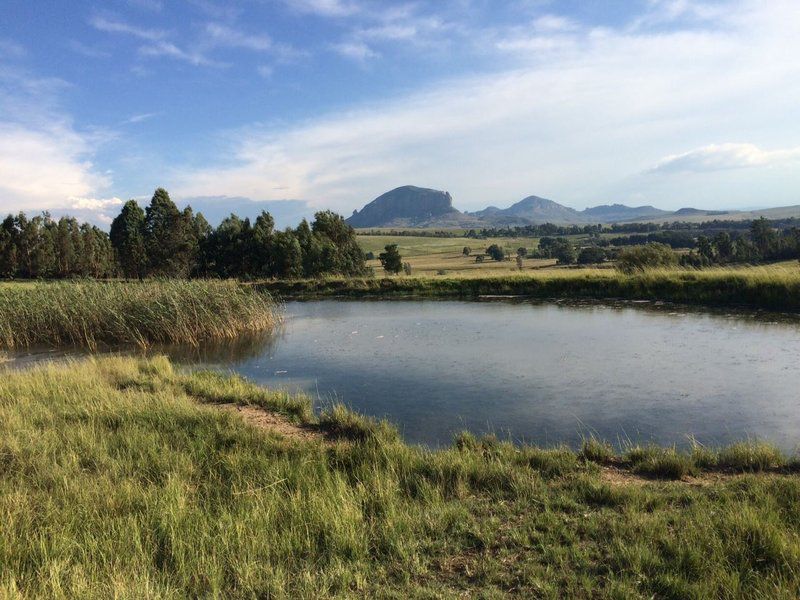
pixel 126 478
pixel 410 246
pixel 774 287
pixel 93 313
pixel 429 255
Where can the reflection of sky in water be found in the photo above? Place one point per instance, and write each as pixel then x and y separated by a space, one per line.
pixel 543 373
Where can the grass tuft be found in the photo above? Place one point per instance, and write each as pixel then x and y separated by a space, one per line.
pixel 93 314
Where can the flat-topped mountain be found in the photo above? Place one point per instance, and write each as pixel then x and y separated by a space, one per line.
pixel 408 206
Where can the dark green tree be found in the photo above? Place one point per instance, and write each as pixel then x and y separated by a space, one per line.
pixel 167 237
pixel 391 261
pixel 128 240
pixel 496 252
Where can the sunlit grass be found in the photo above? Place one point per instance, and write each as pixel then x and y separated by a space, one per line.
pixel 119 478
pixel 91 313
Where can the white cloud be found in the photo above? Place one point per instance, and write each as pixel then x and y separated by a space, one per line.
pixel 115 26
pixel 170 50
pixel 718 157
pixel 226 36
pixel 355 50
pixel 43 167
pixel 97 204
pixel 141 117
pixel 325 8
pixel 44 160
pixel 579 126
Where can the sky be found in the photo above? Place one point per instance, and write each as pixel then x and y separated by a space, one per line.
pixel 330 103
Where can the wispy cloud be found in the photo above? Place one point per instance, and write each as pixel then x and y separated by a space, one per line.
pixel 11 49
pixel 170 50
pixel 355 50
pixel 227 36
pixel 579 126
pixel 720 157
pixel 325 8
pixel 87 50
pixel 141 117
pixel 116 26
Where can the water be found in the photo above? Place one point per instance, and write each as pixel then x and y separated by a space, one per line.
pixel 532 372
pixel 542 373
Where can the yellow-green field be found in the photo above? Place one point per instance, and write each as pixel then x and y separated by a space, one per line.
pixel 429 255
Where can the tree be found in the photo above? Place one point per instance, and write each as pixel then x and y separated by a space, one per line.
pixel 496 252
pixel 167 240
pixel 763 236
pixel 563 251
pixel 8 248
pixel 522 252
pixel 128 240
pixel 391 260
pixel 591 255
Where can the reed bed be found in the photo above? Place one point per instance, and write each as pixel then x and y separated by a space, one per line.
pixel 775 287
pixel 119 478
pixel 92 314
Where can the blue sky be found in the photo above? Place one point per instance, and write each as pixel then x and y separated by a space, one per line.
pixel 332 102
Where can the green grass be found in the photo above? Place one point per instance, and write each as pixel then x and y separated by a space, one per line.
pixel 118 478
pixel 775 287
pixel 91 313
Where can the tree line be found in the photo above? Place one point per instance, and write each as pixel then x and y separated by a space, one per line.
pixel 164 241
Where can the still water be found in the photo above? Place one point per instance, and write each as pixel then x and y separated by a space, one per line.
pixel 541 373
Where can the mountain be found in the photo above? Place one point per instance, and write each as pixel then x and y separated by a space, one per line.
pixel 534 209
pixel 410 206
pixel 619 212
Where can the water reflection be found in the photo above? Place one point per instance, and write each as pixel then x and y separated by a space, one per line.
pixel 544 373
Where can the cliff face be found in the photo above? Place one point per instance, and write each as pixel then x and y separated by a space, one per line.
pixel 408 204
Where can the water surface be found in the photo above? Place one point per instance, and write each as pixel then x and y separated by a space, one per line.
pixel 542 373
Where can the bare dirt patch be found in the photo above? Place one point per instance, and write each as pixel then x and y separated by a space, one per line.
pixel 264 419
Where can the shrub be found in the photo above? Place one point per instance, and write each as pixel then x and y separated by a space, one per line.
pixel 641 258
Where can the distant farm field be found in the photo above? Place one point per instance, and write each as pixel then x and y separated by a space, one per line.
pixel 430 256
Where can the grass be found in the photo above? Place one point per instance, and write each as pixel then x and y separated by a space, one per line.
pixel 92 314
pixel 118 478
pixel 774 287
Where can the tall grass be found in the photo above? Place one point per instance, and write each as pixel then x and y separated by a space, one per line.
pixel 91 314
pixel 774 287
pixel 118 480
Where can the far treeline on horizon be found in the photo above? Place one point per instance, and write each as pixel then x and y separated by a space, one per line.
pixel 163 241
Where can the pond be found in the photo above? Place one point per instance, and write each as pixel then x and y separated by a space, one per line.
pixel 541 373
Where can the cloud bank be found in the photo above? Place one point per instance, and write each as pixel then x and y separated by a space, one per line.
pixel 578 115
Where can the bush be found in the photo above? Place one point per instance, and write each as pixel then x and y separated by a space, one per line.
pixel 496 252
pixel 641 258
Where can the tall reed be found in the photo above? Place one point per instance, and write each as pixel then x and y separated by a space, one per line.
pixel 92 314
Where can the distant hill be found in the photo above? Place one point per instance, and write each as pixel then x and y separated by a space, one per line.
pixel 410 206
pixel 534 209
pixel 619 212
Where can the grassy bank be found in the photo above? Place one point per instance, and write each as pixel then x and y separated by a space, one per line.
pixel 119 478
pixel 774 287
pixel 142 313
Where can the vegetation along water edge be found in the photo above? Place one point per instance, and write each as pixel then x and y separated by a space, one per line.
pixel 141 313
pixel 774 287
pixel 122 477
